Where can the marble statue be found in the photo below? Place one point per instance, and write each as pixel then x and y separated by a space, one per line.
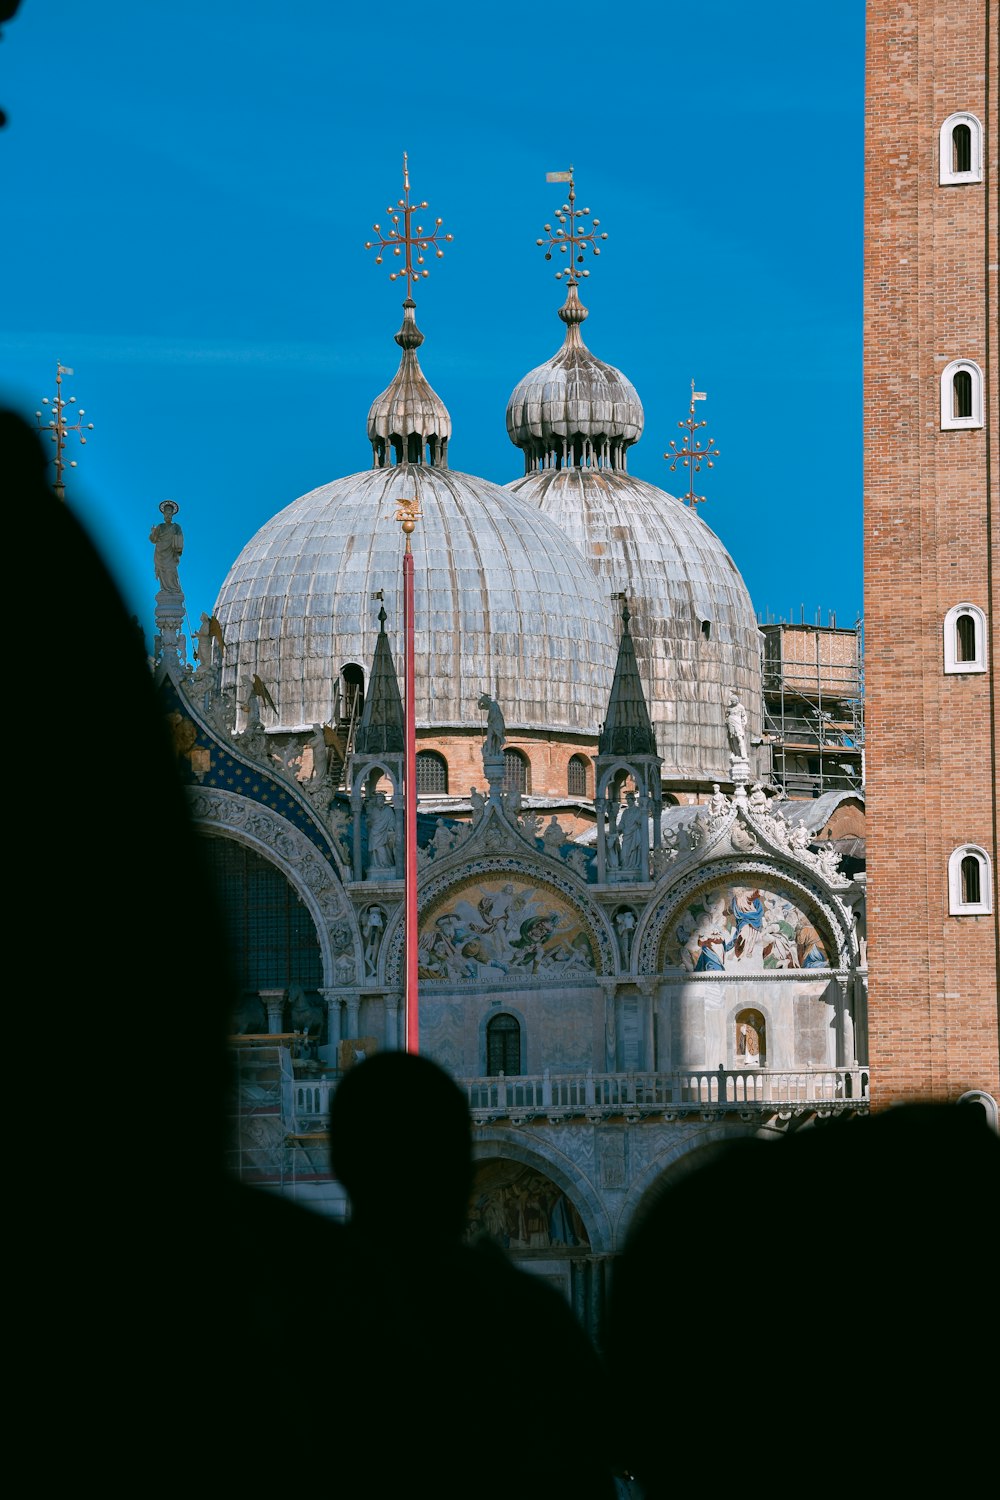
pixel 496 730
pixel 736 727
pixel 381 833
pixel 625 926
pixel 168 544
pixel 631 829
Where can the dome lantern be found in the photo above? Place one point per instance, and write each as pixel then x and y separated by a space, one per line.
pixel 574 411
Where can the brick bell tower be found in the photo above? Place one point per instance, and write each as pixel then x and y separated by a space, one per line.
pixel 932 548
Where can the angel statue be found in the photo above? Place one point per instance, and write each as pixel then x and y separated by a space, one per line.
pixel 208 631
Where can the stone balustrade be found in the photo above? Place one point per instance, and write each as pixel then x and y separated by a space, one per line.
pixel 750 1092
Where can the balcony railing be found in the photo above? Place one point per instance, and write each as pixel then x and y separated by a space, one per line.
pixel 749 1092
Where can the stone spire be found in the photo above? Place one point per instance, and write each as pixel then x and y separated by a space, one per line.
pixel 627 728
pixel 381 728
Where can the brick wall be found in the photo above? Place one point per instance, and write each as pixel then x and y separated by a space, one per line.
pixel 930 543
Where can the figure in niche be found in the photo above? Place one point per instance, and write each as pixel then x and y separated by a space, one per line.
pixel 168 544
pixel 625 927
pixel 496 730
pixel 381 824
pixel 736 727
pixel 749 1032
pixel 631 829
pixel 372 928
pixel 612 841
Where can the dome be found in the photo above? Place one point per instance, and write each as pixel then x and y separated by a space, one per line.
pixel 693 624
pixel 574 408
pixel 503 600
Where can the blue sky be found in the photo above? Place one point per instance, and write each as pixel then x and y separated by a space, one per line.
pixel 188 187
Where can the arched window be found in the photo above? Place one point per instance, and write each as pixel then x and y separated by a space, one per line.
pixel 961 394
pixel 985 1103
pixel 576 776
pixel 350 694
pixel 965 639
pixel 970 881
pixel 503 1045
pixel 432 774
pixel 970 887
pixel 270 933
pixel 961 149
pixel 515 771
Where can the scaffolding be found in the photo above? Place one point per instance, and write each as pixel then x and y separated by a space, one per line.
pixel 278 1124
pixel 813 677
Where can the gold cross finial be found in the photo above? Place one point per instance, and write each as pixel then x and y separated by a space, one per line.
pixel 57 427
pixel 409 243
pixel 692 454
pixel 574 239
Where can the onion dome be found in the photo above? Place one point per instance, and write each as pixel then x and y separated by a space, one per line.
pixel 574 409
pixel 503 600
pixel 409 419
pixel 692 621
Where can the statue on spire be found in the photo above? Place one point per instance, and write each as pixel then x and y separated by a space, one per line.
pixel 168 544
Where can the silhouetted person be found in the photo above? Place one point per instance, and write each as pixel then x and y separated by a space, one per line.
pixel 162 1282
pixel 467 1376
pixel 817 1310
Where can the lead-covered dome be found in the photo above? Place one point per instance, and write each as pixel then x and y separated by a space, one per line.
pixel 574 408
pixel 693 624
pixel 503 600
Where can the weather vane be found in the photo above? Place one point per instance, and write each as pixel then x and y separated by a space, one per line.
pixel 58 428
pixel 409 514
pixel 692 454
pixel 575 239
pixel 410 242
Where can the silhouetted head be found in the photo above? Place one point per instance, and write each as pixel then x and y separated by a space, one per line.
pixel 401 1145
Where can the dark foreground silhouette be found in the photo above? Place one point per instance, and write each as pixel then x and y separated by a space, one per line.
pixel 162 1305
pixel 468 1377
pixel 816 1312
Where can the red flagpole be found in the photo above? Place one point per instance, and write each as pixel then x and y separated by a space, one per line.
pixel 410 802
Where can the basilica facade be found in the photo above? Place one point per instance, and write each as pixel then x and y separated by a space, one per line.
pixel 630 945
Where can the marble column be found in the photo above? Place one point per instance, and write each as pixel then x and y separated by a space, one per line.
pixel 274 1001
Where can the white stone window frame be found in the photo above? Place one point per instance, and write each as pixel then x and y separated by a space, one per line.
pixel 947 176
pixel 952 662
pixel 986 1102
pixel 956 906
pixel 949 422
